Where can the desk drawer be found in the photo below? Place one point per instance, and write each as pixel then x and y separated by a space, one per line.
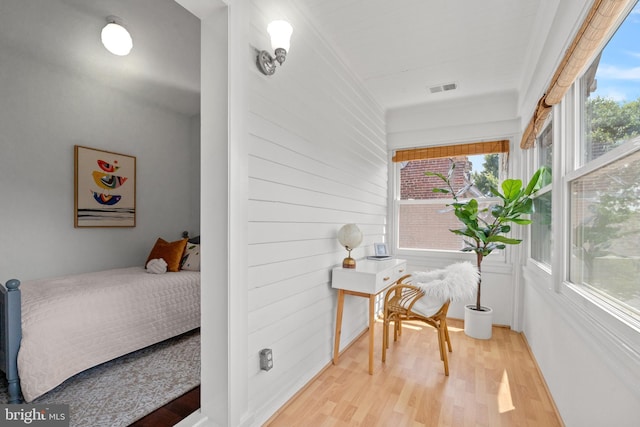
pixel 370 277
pixel 400 271
pixel 386 278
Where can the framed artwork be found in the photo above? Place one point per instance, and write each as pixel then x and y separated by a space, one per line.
pixel 105 188
pixel 381 249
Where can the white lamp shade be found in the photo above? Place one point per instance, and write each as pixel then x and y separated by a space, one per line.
pixel 280 32
pixel 350 236
pixel 116 39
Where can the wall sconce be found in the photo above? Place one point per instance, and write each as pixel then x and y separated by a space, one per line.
pixel 280 32
pixel 115 38
pixel 350 237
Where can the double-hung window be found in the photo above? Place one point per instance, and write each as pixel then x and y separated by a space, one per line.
pixel 541 239
pixel 423 218
pixel 604 186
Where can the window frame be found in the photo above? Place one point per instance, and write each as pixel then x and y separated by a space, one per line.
pixel 626 149
pixel 498 257
pixel 536 163
pixel 575 167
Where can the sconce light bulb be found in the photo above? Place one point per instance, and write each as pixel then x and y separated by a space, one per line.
pixel 280 32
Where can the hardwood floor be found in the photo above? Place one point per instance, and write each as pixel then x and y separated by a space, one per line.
pixel 491 383
pixel 173 412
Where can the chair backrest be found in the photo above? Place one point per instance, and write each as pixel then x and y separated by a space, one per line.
pixel 443 310
pixel 409 294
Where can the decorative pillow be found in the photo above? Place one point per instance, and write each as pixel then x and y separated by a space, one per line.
pixel 170 252
pixel 191 258
pixel 157 266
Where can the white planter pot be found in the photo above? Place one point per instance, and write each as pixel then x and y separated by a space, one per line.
pixel 477 324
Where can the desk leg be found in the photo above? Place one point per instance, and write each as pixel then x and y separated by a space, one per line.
pixel 372 307
pixel 336 344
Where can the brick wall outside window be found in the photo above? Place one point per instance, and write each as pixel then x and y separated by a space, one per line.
pixel 415 185
pixel 426 226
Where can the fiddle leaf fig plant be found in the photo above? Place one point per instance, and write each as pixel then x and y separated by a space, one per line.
pixel 484 230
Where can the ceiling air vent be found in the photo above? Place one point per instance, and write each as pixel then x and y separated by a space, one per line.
pixel 443 87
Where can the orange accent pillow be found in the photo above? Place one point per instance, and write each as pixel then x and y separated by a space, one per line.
pixel 170 252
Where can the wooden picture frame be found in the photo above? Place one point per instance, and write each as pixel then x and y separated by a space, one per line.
pixel 105 188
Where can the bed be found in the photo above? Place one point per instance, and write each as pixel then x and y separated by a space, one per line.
pixel 55 328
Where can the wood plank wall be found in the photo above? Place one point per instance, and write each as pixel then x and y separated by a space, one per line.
pixel 317 160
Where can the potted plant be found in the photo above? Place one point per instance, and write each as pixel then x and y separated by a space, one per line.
pixel 485 230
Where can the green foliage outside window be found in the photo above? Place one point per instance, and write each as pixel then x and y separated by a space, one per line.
pixel 606 203
pixel 488 178
pixel 610 123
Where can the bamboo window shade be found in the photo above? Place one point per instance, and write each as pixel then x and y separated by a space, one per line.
pixel 598 23
pixel 471 149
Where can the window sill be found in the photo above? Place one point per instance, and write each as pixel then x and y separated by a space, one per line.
pixel 617 322
pixel 541 266
pixel 432 258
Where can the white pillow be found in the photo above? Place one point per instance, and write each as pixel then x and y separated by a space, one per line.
pixel 191 257
pixel 427 306
pixel 157 266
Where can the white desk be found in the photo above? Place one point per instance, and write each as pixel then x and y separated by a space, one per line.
pixel 367 280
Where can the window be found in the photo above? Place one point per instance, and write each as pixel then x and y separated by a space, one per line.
pixel 545 146
pixel 604 257
pixel 610 91
pixel 541 239
pixel 424 219
pixel 605 225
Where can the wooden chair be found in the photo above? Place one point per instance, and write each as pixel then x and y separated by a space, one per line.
pixel 399 301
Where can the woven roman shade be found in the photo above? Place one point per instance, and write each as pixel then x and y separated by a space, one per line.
pixel 535 124
pixel 598 23
pixel 471 149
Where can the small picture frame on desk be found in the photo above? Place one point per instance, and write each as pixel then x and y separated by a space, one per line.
pixel 381 252
pixel 381 249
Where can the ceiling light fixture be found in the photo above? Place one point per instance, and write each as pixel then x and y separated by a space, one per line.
pixel 115 37
pixel 280 32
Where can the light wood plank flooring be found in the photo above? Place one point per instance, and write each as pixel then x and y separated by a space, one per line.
pixel 491 383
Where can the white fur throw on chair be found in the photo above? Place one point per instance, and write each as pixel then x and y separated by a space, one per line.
pixel 456 282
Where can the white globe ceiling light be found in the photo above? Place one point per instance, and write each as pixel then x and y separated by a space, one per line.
pixel 115 38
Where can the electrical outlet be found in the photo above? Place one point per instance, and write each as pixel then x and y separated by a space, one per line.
pixel 266 359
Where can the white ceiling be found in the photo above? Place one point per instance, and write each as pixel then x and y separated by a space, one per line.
pixel 163 67
pixel 399 48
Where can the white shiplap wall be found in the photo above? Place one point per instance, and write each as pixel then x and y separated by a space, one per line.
pixel 317 160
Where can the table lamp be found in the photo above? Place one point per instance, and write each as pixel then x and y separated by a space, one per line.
pixel 350 237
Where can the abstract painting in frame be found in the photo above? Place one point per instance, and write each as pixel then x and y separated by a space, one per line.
pixel 105 188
